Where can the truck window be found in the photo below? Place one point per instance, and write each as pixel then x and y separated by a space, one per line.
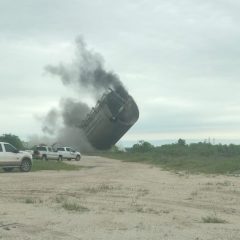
pixel 41 148
pixel 60 149
pixel 49 149
pixel 68 149
pixel 9 148
pixel 1 148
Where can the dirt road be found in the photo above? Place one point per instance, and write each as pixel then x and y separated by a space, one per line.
pixel 110 199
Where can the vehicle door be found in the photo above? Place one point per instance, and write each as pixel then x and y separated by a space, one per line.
pixel 68 153
pixel 72 153
pixel 11 155
pixel 61 151
pixel 51 154
pixel 2 156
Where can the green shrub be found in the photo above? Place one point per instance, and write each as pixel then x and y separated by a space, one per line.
pixel 39 165
pixel 195 157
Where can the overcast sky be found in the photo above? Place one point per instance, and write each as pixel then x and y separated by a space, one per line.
pixel 180 60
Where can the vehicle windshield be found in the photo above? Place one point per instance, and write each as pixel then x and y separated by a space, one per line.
pixel 9 148
pixel 41 148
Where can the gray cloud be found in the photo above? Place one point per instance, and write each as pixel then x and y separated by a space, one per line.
pixel 182 50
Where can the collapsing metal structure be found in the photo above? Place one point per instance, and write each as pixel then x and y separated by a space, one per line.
pixel 111 118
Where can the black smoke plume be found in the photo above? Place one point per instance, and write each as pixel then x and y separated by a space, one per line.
pixel 85 72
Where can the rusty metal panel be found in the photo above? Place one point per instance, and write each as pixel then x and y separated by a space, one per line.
pixel 112 117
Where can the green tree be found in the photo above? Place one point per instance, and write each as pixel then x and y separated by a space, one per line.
pixel 181 142
pixel 115 149
pixel 142 146
pixel 12 139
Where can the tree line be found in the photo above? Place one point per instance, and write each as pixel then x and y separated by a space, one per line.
pixel 180 148
pixel 12 139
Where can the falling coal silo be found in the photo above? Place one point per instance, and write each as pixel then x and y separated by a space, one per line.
pixel 112 117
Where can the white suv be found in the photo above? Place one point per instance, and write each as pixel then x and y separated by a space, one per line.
pixel 46 153
pixel 11 158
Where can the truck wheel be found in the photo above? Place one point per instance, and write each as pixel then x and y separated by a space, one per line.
pixel 77 158
pixel 44 157
pixel 9 169
pixel 60 158
pixel 26 165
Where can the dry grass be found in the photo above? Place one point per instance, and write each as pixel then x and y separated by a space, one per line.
pixel 73 206
pixel 97 189
pixel 30 201
pixel 213 219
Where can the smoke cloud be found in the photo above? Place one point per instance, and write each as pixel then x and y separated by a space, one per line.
pixel 85 72
pixel 50 122
pixel 73 112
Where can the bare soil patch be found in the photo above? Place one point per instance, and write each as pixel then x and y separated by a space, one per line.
pixel 110 199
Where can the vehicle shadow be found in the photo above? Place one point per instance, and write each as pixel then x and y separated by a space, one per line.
pixel 15 170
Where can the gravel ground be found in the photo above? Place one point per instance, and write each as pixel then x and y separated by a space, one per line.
pixel 110 199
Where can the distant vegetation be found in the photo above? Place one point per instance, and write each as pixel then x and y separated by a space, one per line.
pixel 39 165
pixel 202 157
pixel 195 157
pixel 12 139
pixel 213 219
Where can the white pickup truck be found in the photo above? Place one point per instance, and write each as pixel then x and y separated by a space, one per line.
pixel 68 153
pixel 11 158
pixel 47 153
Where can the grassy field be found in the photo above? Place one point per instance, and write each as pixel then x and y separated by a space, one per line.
pixel 39 165
pixel 189 163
